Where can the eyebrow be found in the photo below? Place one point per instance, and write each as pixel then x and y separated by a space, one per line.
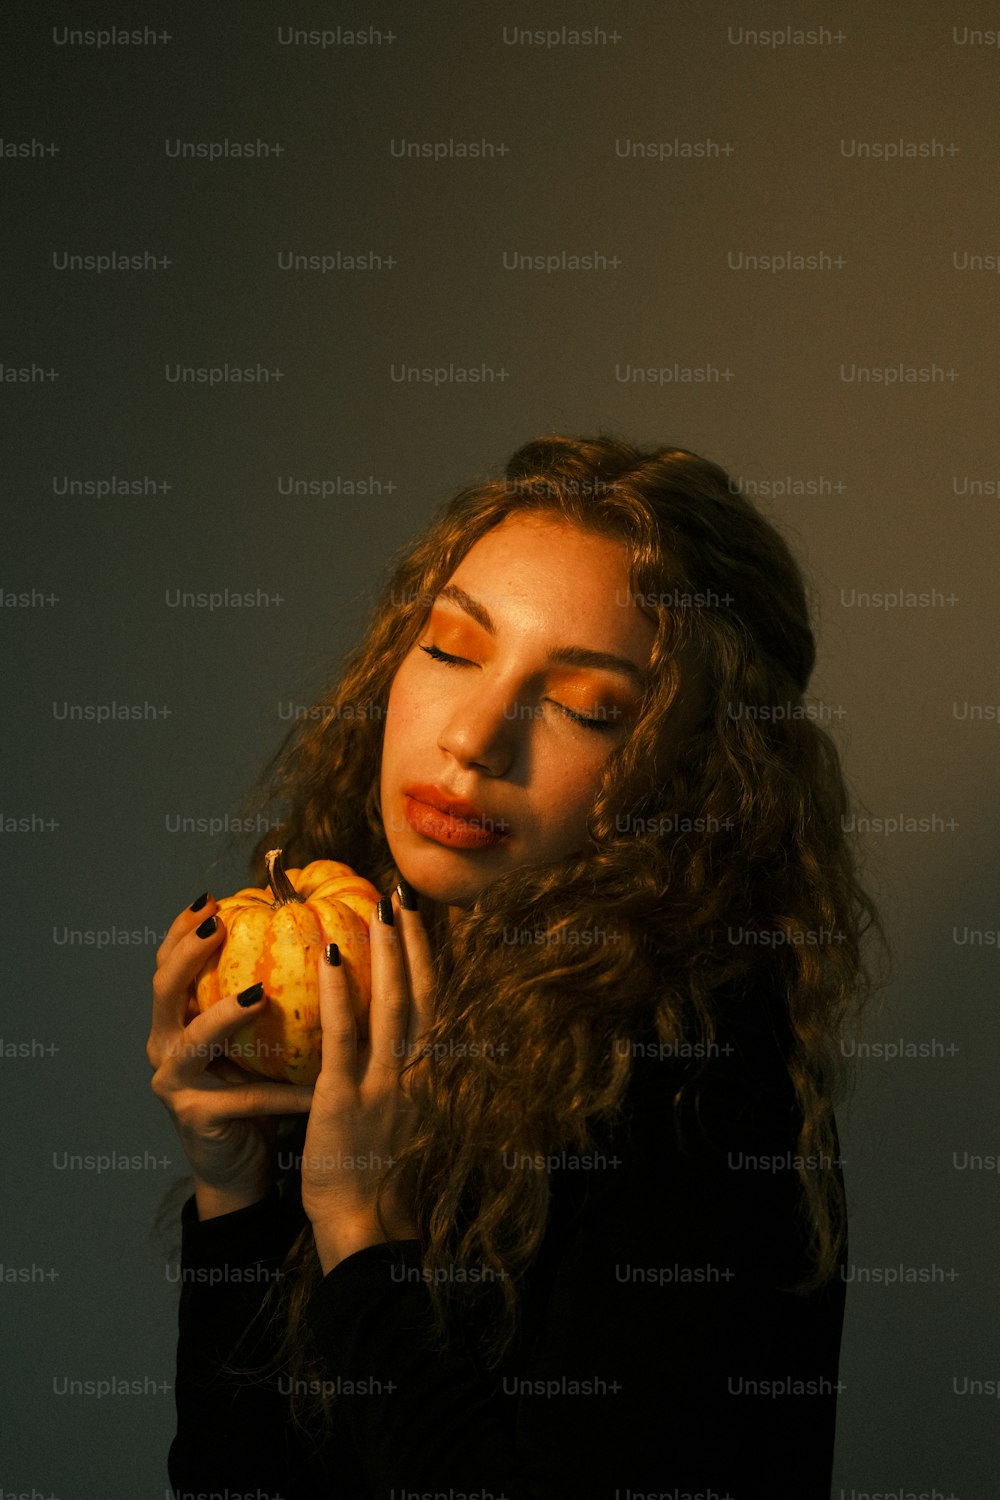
pixel 571 656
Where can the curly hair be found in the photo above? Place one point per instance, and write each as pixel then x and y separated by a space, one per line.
pixel 739 826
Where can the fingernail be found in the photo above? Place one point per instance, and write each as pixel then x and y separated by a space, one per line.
pixel 197 905
pixel 385 911
pixel 332 955
pixel 207 928
pixel 407 895
pixel 251 995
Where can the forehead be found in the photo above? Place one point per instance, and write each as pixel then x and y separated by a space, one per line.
pixel 540 570
pixel 545 547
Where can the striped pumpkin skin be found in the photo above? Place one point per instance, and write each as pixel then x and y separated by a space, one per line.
pixel 279 943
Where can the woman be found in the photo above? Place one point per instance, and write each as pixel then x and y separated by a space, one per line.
pixel 571 1220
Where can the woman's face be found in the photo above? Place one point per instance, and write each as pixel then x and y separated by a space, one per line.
pixel 496 729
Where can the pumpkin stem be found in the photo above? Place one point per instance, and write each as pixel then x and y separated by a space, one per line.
pixel 284 891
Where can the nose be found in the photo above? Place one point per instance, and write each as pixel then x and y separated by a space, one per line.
pixel 482 730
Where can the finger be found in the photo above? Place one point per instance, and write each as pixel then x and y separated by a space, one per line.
pixel 174 977
pixel 388 1021
pixel 228 1073
pixel 192 916
pixel 339 1052
pixel 235 1102
pixel 418 961
pixel 191 1048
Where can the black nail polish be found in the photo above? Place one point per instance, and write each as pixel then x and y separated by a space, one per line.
pixel 197 905
pixel 332 955
pixel 407 895
pixel 385 911
pixel 207 928
pixel 251 995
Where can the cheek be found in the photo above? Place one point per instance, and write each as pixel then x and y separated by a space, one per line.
pixel 403 710
pixel 569 800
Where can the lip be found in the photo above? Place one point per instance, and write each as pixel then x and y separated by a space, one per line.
pixel 439 815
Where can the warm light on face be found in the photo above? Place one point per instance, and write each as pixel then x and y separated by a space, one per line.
pixel 603 693
pixel 526 676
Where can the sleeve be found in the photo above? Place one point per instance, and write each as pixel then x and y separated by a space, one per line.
pixel 231 1431
pixel 421 1420
pixel 660 1351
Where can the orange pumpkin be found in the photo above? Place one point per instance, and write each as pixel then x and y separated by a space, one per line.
pixel 276 936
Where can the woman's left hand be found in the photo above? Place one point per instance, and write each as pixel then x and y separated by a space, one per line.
pixel 362 1114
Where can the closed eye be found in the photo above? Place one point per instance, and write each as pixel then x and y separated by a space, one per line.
pixel 601 726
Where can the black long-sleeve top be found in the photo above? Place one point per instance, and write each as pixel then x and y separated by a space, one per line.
pixel 657 1354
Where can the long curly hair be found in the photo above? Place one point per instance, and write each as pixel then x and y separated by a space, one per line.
pixel 529 1050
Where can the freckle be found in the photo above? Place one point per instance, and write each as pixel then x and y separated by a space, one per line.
pixel 297 1016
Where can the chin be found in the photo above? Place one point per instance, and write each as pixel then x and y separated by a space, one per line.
pixel 424 872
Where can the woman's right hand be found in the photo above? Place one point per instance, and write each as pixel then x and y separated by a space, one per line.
pixel 225 1116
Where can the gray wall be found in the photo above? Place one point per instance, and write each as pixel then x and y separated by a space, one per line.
pixel 884 487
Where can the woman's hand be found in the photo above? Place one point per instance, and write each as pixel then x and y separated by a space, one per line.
pixel 362 1113
pixel 225 1117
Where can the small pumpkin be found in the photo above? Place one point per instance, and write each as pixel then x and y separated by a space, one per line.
pixel 276 936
